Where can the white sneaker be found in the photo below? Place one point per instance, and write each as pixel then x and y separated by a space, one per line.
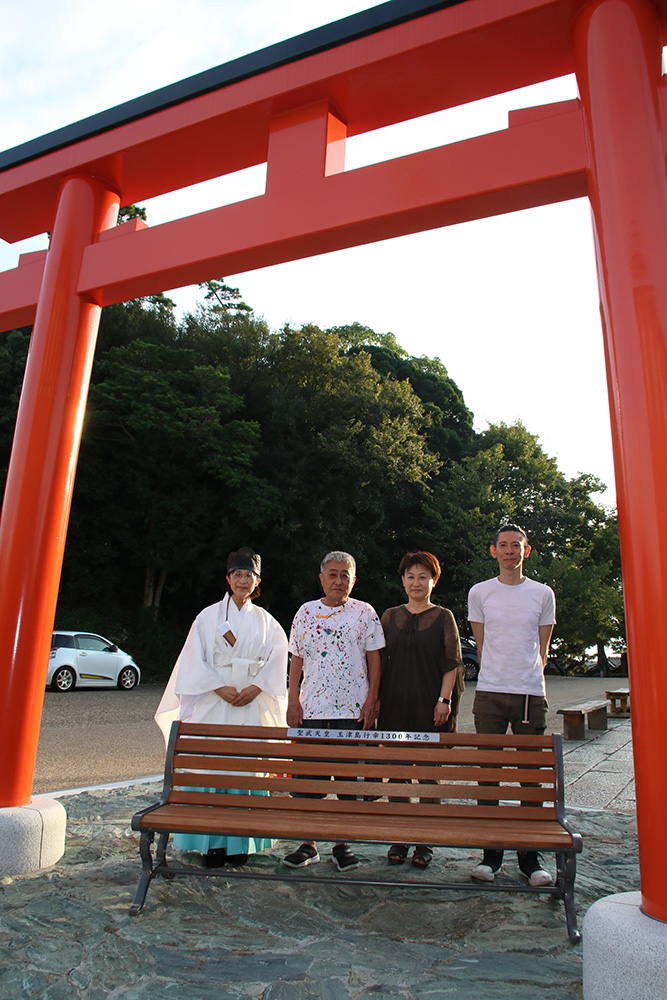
pixel 490 865
pixel 540 877
pixel 484 873
pixel 532 871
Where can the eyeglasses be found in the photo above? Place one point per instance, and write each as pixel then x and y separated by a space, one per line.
pixel 242 574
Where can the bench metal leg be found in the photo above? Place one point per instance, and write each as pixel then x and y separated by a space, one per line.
pixel 150 868
pixel 140 896
pixel 560 872
pixel 567 868
pixel 148 871
pixel 161 861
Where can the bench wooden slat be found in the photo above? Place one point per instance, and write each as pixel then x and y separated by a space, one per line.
pixel 362 769
pixel 353 751
pixel 268 733
pixel 585 707
pixel 366 788
pixel 304 824
pixel 384 807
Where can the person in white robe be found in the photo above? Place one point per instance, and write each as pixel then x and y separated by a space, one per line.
pixel 232 670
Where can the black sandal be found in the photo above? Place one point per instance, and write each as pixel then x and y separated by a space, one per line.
pixel 397 854
pixel 422 855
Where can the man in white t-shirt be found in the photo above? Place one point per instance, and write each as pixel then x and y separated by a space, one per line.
pixel 335 644
pixel 512 619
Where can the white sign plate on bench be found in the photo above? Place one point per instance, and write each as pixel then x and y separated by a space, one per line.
pixel 381 735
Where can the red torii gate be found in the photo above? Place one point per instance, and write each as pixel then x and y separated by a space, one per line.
pixel 293 106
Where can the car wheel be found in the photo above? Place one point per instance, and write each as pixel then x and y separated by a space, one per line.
pixel 471 669
pixel 64 679
pixel 127 679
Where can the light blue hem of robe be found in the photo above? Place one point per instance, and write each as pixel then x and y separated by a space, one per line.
pixel 204 842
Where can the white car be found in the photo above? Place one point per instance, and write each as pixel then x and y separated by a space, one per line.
pixel 84 659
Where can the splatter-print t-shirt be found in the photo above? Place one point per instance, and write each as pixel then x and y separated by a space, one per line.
pixel 333 643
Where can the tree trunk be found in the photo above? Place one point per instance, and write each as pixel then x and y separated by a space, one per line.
pixel 158 593
pixel 149 585
pixel 603 662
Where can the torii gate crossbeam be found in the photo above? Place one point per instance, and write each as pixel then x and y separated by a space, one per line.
pixel 294 110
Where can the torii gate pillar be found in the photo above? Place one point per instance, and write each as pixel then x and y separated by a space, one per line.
pixel 36 509
pixel 618 54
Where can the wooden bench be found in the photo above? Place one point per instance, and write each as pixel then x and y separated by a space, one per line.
pixel 512 815
pixel 619 701
pixel 574 718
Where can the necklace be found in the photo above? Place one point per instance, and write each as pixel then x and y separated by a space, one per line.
pixel 334 611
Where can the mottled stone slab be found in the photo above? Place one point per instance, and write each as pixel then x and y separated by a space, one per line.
pixel 66 934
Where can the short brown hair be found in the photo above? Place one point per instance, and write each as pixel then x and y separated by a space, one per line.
pixel 511 527
pixel 426 559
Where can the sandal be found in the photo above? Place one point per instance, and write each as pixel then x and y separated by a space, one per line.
pixel 422 855
pixel 397 854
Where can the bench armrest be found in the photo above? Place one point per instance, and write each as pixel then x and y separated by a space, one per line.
pixel 136 819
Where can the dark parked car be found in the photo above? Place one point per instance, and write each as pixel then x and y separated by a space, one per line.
pixel 470 657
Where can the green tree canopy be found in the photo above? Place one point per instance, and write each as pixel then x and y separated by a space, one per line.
pixel 575 549
pixel 216 431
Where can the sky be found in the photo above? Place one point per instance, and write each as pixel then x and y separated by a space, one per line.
pixel 509 304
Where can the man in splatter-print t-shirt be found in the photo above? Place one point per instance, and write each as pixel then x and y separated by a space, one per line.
pixel 335 645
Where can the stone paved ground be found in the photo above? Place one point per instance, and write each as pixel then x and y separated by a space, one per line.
pixel 66 934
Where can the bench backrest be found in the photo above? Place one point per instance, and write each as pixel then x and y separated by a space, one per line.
pixel 525 771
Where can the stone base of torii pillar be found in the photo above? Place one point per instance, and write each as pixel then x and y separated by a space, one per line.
pixel 32 837
pixel 625 951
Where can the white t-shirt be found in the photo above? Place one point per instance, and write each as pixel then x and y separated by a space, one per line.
pixel 333 643
pixel 511 615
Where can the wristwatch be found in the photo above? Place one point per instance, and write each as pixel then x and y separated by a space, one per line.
pixel 445 701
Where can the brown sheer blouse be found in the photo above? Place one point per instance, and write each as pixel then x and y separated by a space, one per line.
pixel 420 649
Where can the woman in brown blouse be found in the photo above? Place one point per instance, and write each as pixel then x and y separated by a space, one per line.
pixel 422 671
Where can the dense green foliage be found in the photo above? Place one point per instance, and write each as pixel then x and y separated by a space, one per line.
pixel 215 432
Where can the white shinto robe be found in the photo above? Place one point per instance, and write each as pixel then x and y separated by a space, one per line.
pixel 207 661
